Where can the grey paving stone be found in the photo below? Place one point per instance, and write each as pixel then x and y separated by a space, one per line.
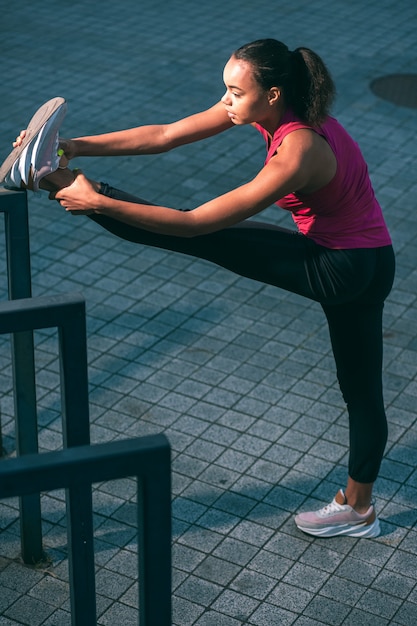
pixel 357 571
pixel 185 612
pixel 220 520
pixel 7 598
pixel 51 591
pixel 205 450
pixel 395 584
pixel 268 614
pixel 253 584
pixel 289 597
pixel 185 558
pixel 197 490
pixel 59 618
pixel 286 545
pixel 404 563
pixel 235 604
pixel 321 556
pixel 328 611
pixel 380 603
pixel 217 570
pixel 371 552
pixel 111 584
pixel 19 579
pixel 235 460
pixel 406 614
pixel 367 619
pixel 347 591
pixel 306 577
pixel 219 476
pixel 252 533
pixel 235 551
pixel 194 587
pixel 268 515
pixel 187 510
pixel 286 498
pixel 235 504
pixel 27 610
pixel 119 613
pixel 206 539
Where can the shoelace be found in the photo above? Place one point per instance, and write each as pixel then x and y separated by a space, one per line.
pixel 333 507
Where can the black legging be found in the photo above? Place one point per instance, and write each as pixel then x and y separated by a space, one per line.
pixel 350 285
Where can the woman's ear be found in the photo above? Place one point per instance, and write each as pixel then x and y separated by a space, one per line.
pixel 274 95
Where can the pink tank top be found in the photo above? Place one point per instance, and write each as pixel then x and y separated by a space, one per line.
pixel 344 213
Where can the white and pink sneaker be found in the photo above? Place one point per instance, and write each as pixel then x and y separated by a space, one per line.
pixel 338 518
pixel 38 154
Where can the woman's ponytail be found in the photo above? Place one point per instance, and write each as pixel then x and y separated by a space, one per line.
pixel 310 89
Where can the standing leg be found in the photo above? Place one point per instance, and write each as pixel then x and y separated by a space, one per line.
pixel 356 336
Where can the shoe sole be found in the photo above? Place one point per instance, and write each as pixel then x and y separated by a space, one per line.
pixel 347 530
pixel 40 118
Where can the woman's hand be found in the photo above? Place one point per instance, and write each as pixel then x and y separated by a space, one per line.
pixel 19 139
pixel 79 198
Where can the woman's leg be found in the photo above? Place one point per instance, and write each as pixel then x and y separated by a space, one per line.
pixel 263 252
pixel 255 250
pixel 357 340
pixel 356 337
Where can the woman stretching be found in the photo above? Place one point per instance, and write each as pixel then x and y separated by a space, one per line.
pixel 341 256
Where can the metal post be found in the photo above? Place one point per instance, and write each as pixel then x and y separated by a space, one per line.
pixel 154 529
pixel 72 334
pixel 1 438
pixel 81 555
pixel 76 432
pixel 14 205
pixel 147 458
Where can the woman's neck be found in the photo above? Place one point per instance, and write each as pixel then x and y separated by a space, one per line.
pixel 274 121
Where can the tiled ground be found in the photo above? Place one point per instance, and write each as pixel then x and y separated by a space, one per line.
pixel 238 375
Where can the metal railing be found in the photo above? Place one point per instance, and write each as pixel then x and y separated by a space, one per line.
pixel 76 469
pixel 13 204
pixel 67 313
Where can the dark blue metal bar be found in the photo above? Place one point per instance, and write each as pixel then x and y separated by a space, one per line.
pixel 81 554
pixel 67 313
pixel 154 545
pixel 147 458
pixel 14 205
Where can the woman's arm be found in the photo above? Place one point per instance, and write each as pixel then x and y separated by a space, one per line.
pixel 295 167
pixel 151 139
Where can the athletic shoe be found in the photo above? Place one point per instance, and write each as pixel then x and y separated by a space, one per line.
pixel 338 518
pixel 37 155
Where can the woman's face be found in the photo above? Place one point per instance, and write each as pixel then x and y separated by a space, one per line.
pixel 245 101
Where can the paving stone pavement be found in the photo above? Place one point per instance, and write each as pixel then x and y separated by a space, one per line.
pixel 238 375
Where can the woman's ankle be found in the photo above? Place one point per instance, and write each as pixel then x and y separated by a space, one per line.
pixel 359 495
